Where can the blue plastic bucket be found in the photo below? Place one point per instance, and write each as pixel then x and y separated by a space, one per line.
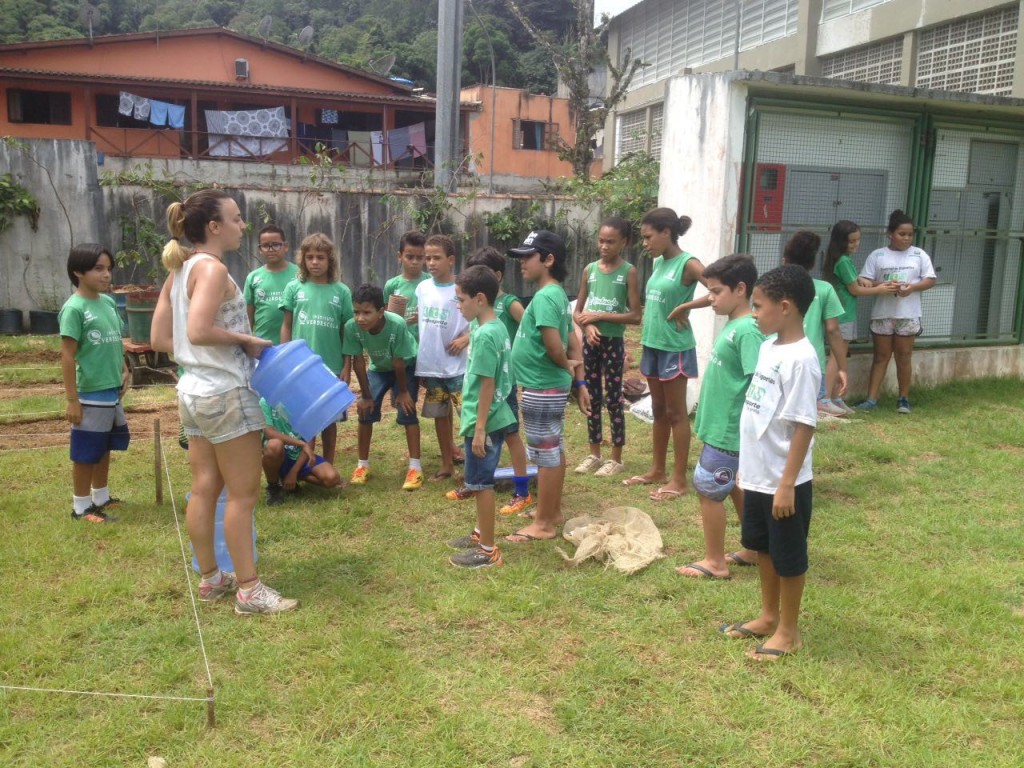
pixel 220 546
pixel 294 380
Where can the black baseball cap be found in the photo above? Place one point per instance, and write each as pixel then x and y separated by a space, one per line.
pixel 540 241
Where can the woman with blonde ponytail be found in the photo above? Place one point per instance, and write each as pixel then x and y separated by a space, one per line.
pixel 201 318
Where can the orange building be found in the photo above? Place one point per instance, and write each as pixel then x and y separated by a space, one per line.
pixel 209 93
pixel 525 129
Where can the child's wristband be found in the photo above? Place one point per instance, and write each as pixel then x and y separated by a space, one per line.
pixel 579 383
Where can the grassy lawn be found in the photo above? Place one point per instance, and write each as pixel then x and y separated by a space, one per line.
pixel 914 650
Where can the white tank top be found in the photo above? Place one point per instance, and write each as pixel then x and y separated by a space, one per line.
pixel 214 369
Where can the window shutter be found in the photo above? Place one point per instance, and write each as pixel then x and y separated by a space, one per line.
pixel 517 134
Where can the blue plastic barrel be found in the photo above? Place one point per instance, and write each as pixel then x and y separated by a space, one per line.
pixel 294 380
pixel 220 546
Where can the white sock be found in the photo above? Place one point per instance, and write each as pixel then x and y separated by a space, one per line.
pixel 82 503
pixel 100 496
pixel 216 578
pixel 415 464
pixel 485 548
pixel 364 463
pixel 245 593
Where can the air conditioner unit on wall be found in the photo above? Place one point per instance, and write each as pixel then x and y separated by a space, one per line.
pixel 241 69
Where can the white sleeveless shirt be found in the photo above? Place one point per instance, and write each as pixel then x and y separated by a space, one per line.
pixel 214 369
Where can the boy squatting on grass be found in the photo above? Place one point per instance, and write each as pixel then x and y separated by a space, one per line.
pixel 388 340
pixel 92 366
pixel 486 415
pixel 727 376
pixel 287 458
pixel 776 434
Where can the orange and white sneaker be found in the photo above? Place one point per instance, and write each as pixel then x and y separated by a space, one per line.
pixel 359 476
pixel 517 505
pixel 462 493
pixel 413 480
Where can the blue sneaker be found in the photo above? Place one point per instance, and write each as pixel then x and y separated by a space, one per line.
pixel 867 405
pixel 903 406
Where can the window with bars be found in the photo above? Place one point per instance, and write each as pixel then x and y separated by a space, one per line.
pixel 878 63
pixel 657 119
pixel 668 35
pixel 834 9
pixel 533 134
pixel 630 133
pixel 976 54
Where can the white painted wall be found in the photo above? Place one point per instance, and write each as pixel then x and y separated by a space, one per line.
pixel 701 165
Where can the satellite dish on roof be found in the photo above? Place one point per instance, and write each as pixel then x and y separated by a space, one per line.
pixel 383 65
pixel 305 36
pixel 89 15
pixel 265 24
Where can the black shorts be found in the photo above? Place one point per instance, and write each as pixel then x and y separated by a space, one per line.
pixel 784 540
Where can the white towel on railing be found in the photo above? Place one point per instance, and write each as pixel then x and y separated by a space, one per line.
pixel 247 133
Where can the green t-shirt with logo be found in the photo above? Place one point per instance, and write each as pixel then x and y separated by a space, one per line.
pixel 549 308
pixel 95 325
pixel 319 313
pixel 281 424
pixel 263 291
pixel 846 272
pixel 404 287
pixel 490 352
pixel 826 306
pixel 726 378
pixel 501 305
pixel 608 292
pixel 665 292
pixel 394 340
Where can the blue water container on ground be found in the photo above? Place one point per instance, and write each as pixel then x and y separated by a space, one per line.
pixel 220 546
pixel 294 380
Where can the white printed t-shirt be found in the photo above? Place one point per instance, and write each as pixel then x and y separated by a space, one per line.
pixel 910 266
pixel 440 323
pixel 782 393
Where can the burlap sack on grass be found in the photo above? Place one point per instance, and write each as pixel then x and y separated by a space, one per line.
pixel 624 538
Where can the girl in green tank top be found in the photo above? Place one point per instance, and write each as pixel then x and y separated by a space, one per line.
pixel 608 301
pixel 669 356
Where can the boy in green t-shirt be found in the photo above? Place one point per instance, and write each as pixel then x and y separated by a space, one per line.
pixel 486 417
pixel 822 319
pixel 726 378
pixel 509 311
pixel 389 342
pixel 264 286
pixel 92 366
pixel 287 458
pixel 410 255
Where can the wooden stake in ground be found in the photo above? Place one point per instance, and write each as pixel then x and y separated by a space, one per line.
pixel 211 719
pixel 158 462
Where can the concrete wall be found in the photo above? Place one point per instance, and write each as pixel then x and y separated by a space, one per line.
pixel 937 366
pixel 364 222
pixel 701 166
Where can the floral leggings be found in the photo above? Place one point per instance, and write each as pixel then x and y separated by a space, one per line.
pixel 607 358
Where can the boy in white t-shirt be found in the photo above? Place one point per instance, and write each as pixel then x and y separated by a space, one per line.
pixel 776 433
pixel 444 337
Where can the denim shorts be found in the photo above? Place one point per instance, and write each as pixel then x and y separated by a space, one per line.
pixel 659 364
pixel 306 471
pixel 382 382
pixel 479 474
pixel 223 417
pixel 441 395
pixel 714 477
pixel 513 403
pixel 784 540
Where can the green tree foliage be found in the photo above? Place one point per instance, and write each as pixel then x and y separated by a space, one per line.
pixel 352 32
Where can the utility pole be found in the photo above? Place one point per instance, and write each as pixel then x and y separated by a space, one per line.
pixel 449 83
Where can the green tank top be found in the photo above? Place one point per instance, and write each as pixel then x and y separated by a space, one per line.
pixel 665 292
pixel 608 292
